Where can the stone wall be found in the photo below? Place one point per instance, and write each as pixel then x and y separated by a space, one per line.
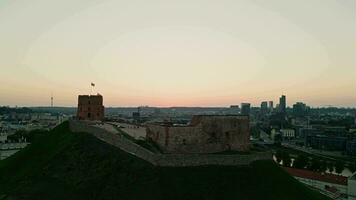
pixel 206 134
pixel 167 160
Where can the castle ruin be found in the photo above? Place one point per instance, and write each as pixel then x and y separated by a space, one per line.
pixel 205 134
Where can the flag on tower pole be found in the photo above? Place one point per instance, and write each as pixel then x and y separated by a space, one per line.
pixel 92 88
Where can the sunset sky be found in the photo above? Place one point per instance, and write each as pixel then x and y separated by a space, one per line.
pixel 178 53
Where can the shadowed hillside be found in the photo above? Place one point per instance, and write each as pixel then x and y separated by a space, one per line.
pixel 64 165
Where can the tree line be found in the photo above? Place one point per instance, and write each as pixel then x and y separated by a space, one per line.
pixel 314 164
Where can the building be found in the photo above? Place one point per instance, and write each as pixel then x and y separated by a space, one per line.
pixel 304 132
pixel 270 106
pixel 326 142
pixel 245 108
pixel 288 133
pixel 3 137
pixel 234 109
pixel 331 185
pixel 351 147
pixel 136 116
pixel 204 134
pixel 264 107
pixel 300 109
pixel 90 107
pixel 351 182
pixel 283 104
pixel 276 136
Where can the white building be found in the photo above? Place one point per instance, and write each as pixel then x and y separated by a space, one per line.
pixel 288 133
pixel 351 182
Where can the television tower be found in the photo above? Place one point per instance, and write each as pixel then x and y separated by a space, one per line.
pixel 51 100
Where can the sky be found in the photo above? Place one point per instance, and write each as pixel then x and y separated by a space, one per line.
pixel 178 52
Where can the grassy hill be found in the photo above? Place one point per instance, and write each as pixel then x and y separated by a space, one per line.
pixel 64 165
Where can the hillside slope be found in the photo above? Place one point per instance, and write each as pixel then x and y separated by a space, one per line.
pixel 64 165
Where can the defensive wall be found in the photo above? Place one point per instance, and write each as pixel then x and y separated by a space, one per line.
pixel 166 160
pixel 205 134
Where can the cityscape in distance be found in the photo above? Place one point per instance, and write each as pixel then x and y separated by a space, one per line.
pixel 178 100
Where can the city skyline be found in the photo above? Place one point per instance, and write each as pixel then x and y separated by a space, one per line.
pixel 182 53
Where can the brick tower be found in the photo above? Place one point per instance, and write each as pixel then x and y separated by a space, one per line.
pixel 90 107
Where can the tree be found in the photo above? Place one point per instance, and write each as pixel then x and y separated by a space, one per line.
pixel 323 166
pixel 301 161
pixel 278 156
pixel 314 165
pixel 339 166
pixel 330 167
pixel 286 159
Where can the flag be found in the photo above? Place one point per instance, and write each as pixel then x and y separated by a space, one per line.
pixel 92 84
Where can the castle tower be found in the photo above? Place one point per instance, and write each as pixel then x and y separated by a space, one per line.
pixel 90 107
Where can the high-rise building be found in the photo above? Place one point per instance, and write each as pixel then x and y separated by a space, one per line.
pixel 270 106
pixel 300 109
pixel 90 107
pixel 282 104
pixel 264 107
pixel 245 108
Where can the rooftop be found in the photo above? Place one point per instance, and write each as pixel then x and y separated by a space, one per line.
pixel 329 178
pixel 86 95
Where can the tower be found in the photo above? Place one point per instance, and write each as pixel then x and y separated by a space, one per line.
pixel 270 106
pixel 282 104
pixel 90 107
pixel 51 101
pixel 264 107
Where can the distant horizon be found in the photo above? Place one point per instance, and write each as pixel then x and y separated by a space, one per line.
pixel 164 107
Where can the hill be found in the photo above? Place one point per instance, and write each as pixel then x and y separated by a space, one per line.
pixel 63 165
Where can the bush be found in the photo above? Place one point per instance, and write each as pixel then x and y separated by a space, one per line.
pixel 339 166
pixel 301 161
pixel 330 166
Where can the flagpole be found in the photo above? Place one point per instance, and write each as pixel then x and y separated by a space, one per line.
pixel 92 88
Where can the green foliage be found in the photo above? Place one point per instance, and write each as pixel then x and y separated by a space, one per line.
pixel 64 165
pixel 283 156
pixel 286 159
pixel 330 166
pixel 8 110
pixel 314 165
pixel 279 156
pixel 301 161
pixel 29 135
pixel 339 166
pixel 323 166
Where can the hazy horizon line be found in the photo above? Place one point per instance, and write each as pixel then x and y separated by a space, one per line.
pixel 165 107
